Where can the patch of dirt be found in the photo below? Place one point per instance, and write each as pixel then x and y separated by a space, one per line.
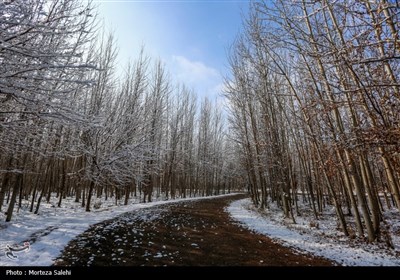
pixel 37 235
pixel 193 233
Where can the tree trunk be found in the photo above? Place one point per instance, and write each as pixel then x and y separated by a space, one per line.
pixel 89 197
pixel 15 189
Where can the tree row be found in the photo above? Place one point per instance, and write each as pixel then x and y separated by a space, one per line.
pixel 315 109
pixel 70 126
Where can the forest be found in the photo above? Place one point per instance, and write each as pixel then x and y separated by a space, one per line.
pixel 315 108
pixel 69 125
pixel 311 114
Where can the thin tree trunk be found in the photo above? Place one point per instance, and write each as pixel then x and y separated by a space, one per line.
pixel 16 187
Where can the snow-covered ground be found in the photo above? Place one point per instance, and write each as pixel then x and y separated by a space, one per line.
pixel 322 240
pixel 51 231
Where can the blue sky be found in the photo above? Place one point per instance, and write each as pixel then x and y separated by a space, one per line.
pixel 191 37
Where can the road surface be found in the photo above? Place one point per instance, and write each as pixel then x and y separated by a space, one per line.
pixel 190 233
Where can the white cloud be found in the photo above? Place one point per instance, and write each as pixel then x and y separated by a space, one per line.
pixel 205 80
pixel 194 70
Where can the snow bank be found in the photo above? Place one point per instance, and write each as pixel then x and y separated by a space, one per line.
pixel 314 241
pixel 55 227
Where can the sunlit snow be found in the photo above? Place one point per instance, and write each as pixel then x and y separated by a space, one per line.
pixel 317 242
pixel 51 231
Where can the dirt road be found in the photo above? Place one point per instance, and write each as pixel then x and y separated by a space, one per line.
pixel 192 233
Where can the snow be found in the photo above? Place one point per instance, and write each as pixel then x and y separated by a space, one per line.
pixel 324 241
pixel 51 231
